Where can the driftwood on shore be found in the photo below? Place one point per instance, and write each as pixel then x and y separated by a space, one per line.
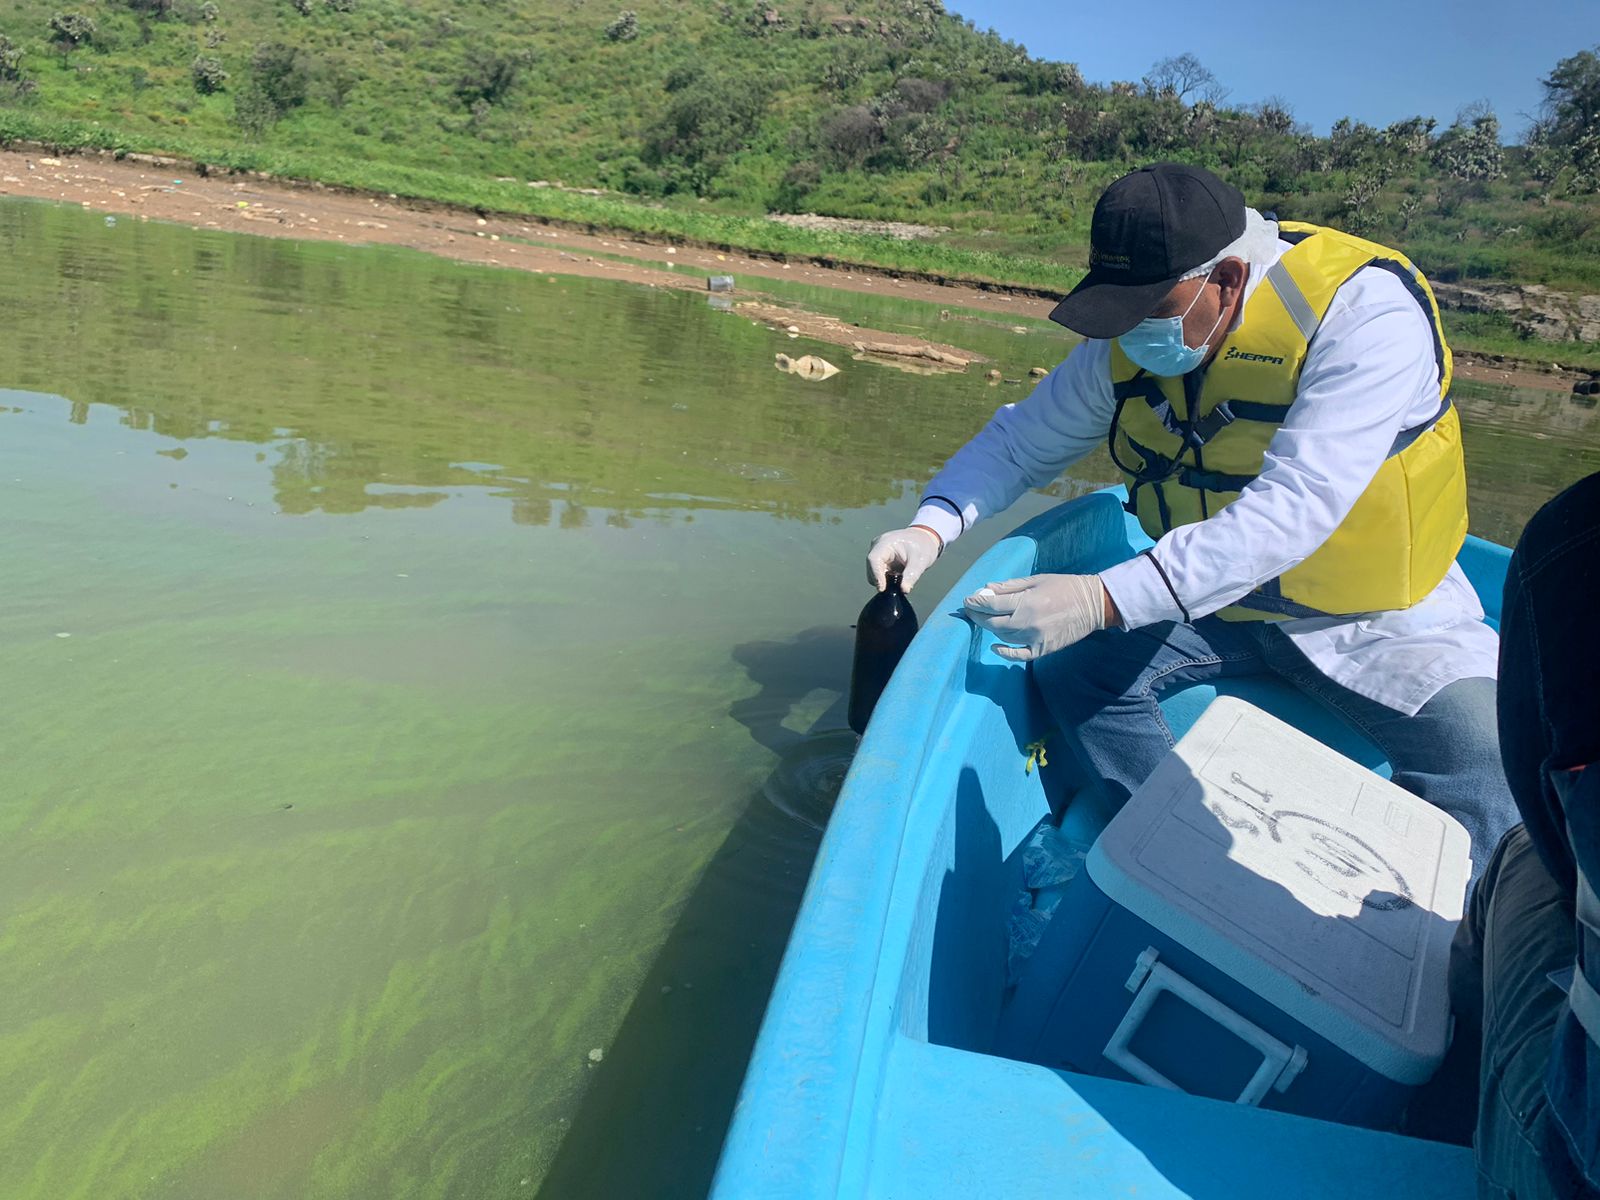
pixel 912 351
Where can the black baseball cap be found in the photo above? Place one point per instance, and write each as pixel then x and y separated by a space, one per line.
pixel 1149 228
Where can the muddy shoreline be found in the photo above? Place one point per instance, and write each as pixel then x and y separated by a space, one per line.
pixel 160 189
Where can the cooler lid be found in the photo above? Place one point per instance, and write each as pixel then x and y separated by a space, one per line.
pixel 1318 885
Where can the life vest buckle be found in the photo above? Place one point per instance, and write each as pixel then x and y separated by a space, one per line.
pixel 1208 426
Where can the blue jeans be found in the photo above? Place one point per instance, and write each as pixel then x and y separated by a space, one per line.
pixel 1517 931
pixel 1104 693
pixel 1539 1128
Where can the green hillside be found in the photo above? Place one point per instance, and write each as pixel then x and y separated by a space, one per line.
pixel 882 109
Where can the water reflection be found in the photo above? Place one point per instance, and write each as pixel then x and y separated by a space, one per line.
pixel 1523 445
pixel 798 712
pixel 390 368
pixel 369 370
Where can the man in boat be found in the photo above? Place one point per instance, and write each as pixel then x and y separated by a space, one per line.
pixel 1276 396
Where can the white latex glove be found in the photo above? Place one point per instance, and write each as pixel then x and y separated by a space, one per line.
pixel 1039 614
pixel 909 551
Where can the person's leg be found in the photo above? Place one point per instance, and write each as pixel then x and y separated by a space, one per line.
pixel 1104 691
pixel 1445 1109
pixel 1521 929
pixel 1448 752
pixel 1550 725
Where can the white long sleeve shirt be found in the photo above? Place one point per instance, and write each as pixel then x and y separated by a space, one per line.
pixel 1369 373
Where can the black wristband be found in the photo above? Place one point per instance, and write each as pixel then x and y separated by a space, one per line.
pixel 951 504
pixel 1161 572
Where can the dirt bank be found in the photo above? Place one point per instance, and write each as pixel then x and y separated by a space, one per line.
pixel 243 204
pixel 154 189
pixel 249 204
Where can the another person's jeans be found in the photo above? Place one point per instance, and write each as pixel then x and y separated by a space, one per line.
pixel 1538 1129
pixel 1517 932
pixel 1104 692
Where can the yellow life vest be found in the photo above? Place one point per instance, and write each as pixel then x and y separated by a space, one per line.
pixel 1188 445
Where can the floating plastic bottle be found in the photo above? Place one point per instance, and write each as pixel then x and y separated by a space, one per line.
pixel 884 630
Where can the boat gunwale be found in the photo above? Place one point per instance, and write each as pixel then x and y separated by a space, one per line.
pixel 860 830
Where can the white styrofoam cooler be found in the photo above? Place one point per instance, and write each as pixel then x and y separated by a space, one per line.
pixel 1264 921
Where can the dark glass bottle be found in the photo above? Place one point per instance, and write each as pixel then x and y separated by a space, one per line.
pixel 883 632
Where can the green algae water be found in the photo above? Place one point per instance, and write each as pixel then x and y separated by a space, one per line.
pixel 410 672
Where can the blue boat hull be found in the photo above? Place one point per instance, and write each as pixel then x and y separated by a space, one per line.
pixel 871 1076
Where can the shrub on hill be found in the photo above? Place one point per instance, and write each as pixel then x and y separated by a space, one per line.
pixel 208 75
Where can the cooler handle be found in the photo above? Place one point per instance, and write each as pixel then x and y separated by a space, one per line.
pixel 1280 1063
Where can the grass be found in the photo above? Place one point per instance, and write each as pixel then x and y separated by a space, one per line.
pixel 720 230
pixel 1492 333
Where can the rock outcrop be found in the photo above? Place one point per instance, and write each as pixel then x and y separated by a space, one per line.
pixel 1534 310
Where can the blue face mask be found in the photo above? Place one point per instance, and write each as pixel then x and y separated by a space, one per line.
pixel 1157 345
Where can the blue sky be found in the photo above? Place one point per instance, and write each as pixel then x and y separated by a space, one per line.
pixel 1374 60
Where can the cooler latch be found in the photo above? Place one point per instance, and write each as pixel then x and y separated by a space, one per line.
pixel 1281 1064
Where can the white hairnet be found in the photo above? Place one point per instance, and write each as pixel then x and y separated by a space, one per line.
pixel 1257 244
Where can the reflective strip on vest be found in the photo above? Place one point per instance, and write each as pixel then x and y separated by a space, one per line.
pixel 1294 300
